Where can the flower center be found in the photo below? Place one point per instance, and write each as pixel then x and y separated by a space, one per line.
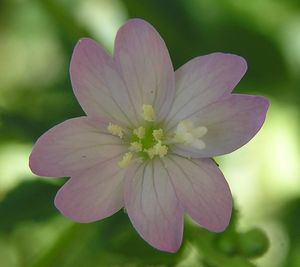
pixel 149 141
pixel 144 142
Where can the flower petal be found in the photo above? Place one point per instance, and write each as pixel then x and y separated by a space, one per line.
pixel 74 146
pixel 146 66
pixel 230 123
pixel 204 80
pixel 93 195
pixel 97 84
pixel 153 207
pixel 202 190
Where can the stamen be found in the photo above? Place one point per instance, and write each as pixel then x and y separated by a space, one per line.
pixel 151 152
pixel 115 129
pixel 135 147
pixel 158 134
pixel 161 150
pixel 157 150
pixel 148 113
pixel 125 160
pixel 139 132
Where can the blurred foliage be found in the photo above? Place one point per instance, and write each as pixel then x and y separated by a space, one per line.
pixel 29 201
pixel 37 39
pixel 114 242
pixel 290 218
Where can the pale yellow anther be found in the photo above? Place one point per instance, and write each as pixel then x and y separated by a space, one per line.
pixel 139 132
pixel 151 152
pixel 158 134
pixel 115 129
pixel 148 113
pixel 161 150
pixel 157 150
pixel 125 160
pixel 186 133
pixel 135 147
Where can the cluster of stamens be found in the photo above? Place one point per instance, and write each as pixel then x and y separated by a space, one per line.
pixel 149 141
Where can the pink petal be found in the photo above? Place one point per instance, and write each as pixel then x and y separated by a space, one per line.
pixel 231 123
pixel 146 66
pixel 204 80
pixel 202 191
pixel 74 146
pixel 94 194
pixel 153 207
pixel 97 84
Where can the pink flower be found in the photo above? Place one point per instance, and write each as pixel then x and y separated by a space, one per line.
pixel 148 135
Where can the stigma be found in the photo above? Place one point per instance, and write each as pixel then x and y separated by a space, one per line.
pixel 189 135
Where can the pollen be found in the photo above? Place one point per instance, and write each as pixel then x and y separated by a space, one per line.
pixel 158 134
pixel 115 129
pixel 125 160
pixel 161 150
pixel 187 134
pixel 157 150
pixel 136 147
pixel 148 113
pixel 139 132
pixel 151 152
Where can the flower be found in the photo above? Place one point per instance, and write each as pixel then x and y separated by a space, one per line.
pixel 148 136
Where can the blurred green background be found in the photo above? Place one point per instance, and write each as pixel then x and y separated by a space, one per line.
pixel 36 42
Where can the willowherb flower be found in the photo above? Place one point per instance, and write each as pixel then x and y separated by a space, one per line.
pixel 148 136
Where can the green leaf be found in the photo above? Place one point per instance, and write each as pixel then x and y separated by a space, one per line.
pixel 253 243
pixel 30 201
